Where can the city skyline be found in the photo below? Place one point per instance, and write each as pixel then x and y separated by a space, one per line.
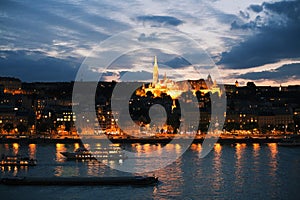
pixel 149 99
pixel 249 40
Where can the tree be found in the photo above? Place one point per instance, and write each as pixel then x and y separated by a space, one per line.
pixel 229 126
pixel 8 127
pixel 251 125
pixel 22 128
pixel 44 127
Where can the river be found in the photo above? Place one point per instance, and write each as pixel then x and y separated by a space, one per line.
pixel 239 171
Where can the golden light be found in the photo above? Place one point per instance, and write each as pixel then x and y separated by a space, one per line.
pixel 16 148
pixel 196 147
pixel 32 151
pixel 239 150
pixel 273 149
pixel 76 145
pixel 256 146
pixel 218 148
pixel 175 94
pixel 177 148
pixel 60 148
pixel 138 148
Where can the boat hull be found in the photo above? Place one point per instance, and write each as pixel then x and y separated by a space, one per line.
pixel 287 144
pixel 89 156
pixel 80 181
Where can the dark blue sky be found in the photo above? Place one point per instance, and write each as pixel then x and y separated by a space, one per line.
pixel 248 40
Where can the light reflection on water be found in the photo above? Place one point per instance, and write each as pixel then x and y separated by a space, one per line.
pixel 60 148
pixel 15 148
pixel 32 151
pixel 239 165
pixel 241 171
pixel 217 167
pixel 273 164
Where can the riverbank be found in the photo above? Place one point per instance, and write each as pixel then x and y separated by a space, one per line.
pixel 150 140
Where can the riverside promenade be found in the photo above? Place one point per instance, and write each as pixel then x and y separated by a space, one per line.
pixel 153 139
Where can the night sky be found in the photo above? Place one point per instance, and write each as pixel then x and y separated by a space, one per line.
pixel 248 40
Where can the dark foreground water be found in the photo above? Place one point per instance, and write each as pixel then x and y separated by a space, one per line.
pixel 241 171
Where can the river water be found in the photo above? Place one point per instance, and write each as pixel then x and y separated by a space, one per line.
pixel 240 171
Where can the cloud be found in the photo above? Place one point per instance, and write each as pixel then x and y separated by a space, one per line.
pixel 36 66
pixel 145 38
pixel 281 74
pixel 274 41
pixel 177 62
pixel 55 35
pixel 256 8
pixel 160 20
pixel 251 25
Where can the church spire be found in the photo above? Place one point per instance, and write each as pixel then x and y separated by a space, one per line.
pixel 155 72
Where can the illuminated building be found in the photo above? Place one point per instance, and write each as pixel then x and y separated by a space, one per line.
pixel 236 83
pixel 175 89
pixel 11 85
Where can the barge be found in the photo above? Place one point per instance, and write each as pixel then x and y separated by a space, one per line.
pixel 81 181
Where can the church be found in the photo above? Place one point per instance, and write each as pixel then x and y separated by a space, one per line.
pixel 175 89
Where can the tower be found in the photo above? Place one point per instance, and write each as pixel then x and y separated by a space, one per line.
pixel 236 83
pixel 209 82
pixel 155 72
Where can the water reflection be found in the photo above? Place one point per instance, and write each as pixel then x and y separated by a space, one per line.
pixel 239 153
pixel 16 148
pixel 240 171
pixel 76 146
pixel 32 151
pixel 256 162
pixel 196 147
pixel 256 149
pixel 217 167
pixel 6 147
pixel 95 168
pixel 273 149
pixel 66 171
pixel 60 148
pixel 172 181
pixel 273 159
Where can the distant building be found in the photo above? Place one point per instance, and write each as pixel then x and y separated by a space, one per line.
pixel 11 85
pixel 275 118
pixel 236 83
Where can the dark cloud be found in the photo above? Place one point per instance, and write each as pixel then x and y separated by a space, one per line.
pixel 60 28
pixel 244 14
pixel 250 25
pixel 40 23
pixel 289 9
pixel 177 63
pixel 160 20
pixel 284 73
pixel 256 8
pixel 273 42
pixel 35 66
pixel 143 37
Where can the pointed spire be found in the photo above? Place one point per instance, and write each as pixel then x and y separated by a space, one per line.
pixel 155 72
